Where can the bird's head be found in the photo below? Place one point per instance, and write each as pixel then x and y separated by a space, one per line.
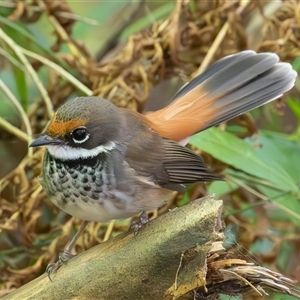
pixel 82 128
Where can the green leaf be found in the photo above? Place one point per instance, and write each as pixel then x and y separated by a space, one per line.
pixel 288 203
pixel 278 149
pixel 294 104
pixel 21 86
pixel 220 188
pixel 285 253
pixel 18 32
pixel 147 20
pixel 283 297
pixel 262 246
pixel 271 168
pixel 241 155
pixel 296 64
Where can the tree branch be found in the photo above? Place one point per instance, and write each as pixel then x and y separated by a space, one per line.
pixel 165 260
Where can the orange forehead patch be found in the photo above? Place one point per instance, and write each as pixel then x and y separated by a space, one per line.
pixel 61 128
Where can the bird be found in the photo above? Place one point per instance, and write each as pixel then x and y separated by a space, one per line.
pixel 103 162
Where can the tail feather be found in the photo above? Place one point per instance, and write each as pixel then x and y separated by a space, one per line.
pixel 230 87
pixel 212 70
pixel 263 89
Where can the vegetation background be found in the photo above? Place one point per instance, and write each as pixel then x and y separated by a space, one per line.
pixel 137 54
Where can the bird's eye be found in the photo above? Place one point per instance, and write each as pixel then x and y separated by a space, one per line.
pixel 80 135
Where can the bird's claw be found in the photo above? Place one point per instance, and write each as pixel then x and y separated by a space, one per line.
pixel 53 267
pixel 137 225
pixel 63 258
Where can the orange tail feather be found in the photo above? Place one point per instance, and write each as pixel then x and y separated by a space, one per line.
pixel 230 87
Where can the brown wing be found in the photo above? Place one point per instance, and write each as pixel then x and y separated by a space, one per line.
pixel 184 166
pixel 164 161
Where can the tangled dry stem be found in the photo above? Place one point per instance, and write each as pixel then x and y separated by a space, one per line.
pixel 194 35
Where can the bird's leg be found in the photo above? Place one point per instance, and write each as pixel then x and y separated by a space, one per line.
pixel 137 225
pixel 66 255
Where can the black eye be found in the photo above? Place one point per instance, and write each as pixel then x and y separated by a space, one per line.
pixel 80 135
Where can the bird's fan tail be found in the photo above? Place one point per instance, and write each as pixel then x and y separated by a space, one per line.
pixel 230 87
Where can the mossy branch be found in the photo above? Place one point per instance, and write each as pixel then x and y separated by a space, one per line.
pixel 166 259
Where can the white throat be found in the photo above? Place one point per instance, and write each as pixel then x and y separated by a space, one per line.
pixel 65 152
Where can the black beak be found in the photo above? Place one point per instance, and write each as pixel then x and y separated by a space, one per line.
pixel 44 140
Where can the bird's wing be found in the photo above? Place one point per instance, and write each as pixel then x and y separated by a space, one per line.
pixel 163 161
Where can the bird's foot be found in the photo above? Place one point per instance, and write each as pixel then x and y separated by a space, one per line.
pixel 137 225
pixel 63 258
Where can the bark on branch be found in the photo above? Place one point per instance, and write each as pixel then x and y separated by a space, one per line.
pixel 165 260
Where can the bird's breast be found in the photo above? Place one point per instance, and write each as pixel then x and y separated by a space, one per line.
pixel 81 188
pixel 91 191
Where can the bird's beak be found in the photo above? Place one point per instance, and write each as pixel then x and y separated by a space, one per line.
pixel 45 140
